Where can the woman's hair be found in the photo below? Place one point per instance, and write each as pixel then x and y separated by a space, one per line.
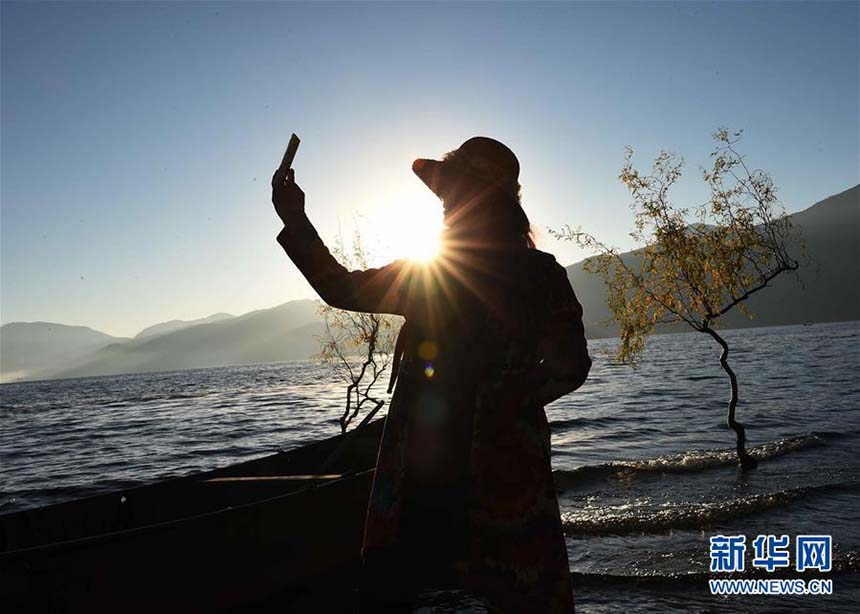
pixel 510 218
pixel 503 212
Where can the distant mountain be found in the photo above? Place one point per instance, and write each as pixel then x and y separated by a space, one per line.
pixel 28 348
pixel 174 325
pixel 829 286
pixel 285 332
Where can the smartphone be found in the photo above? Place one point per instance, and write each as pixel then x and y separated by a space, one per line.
pixel 289 155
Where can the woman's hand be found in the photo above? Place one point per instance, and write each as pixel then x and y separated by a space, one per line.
pixel 287 196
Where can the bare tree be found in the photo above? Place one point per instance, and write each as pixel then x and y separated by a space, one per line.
pixel 694 273
pixel 359 346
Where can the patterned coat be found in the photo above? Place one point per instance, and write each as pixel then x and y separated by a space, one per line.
pixel 491 336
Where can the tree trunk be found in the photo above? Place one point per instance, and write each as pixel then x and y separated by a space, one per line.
pixel 747 461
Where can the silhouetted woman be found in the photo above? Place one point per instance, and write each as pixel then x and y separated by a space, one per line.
pixel 463 494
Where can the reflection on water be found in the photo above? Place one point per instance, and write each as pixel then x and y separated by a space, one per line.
pixel 644 462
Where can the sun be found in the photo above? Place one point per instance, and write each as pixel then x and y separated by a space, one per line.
pixel 408 225
pixel 423 243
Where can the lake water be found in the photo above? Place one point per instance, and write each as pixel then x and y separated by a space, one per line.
pixel 644 461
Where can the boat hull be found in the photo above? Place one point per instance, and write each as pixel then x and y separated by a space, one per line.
pixel 274 537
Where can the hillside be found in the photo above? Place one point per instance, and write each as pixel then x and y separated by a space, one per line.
pixel 174 325
pixel 828 289
pixel 285 332
pixel 27 348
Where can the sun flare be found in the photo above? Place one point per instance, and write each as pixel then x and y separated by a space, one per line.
pixel 423 245
pixel 408 225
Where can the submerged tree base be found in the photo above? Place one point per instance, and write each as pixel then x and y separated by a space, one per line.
pixel 747 462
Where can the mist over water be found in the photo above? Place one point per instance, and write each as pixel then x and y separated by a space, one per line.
pixel 644 463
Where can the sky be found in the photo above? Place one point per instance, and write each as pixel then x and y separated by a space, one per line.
pixel 138 140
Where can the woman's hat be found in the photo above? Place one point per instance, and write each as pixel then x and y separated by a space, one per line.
pixel 481 158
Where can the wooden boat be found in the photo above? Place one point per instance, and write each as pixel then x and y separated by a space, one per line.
pixel 236 538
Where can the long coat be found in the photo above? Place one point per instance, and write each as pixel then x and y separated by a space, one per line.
pixel 490 337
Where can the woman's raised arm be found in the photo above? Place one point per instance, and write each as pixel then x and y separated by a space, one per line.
pixel 382 290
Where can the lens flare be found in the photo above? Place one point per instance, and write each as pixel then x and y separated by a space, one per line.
pixel 407 223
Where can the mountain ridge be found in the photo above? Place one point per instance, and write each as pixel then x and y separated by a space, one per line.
pixel 173 325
